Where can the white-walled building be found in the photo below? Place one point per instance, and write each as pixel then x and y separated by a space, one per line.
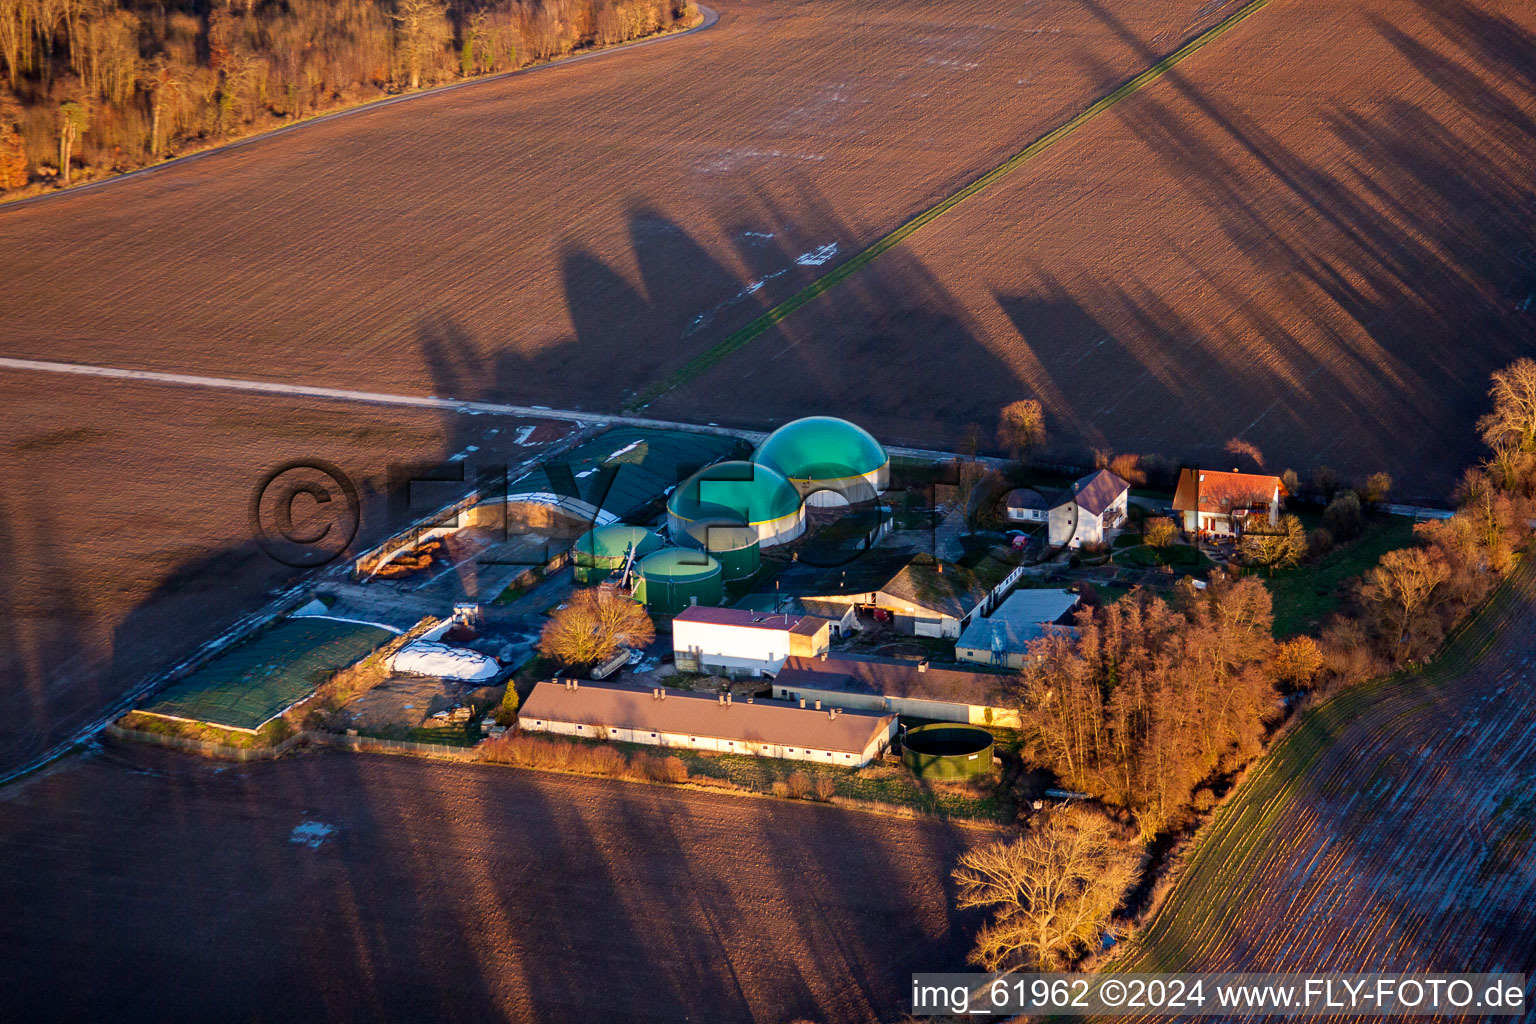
pixel 698 721
pixel 1098 504
pixel 1209 501
pixel 734 641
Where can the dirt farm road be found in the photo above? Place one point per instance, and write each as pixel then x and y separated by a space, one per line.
pixel 146 885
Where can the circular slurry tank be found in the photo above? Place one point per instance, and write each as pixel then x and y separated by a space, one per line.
pixel 733 544
pixel 947 751
pixel 742 492
pixel 669 580
pixel 600 551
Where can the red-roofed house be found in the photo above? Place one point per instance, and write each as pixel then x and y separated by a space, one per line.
pixel 1211 501
pixel 736 641
pixel 1097 505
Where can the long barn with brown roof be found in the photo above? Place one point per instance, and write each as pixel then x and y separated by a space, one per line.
pixel 680 718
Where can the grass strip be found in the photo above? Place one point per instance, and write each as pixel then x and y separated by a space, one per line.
pixel 708 358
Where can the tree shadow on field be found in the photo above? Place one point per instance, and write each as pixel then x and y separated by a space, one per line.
pixel 1387 241
pixel 1397 238
pixel 889 348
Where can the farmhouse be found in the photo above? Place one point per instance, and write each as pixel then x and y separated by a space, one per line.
pixel 1024 505
pixel 1210 501
pixel 1097 505
pixel 1002 638
pixel 697 721
pixel 734 641
pixel 913 688
pixel 919 596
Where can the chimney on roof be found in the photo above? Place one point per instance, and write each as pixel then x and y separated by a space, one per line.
pixel 818 704
pixel 831 712
pixel 661 693
pixel 802 702
pixel 727 698
pixel 823 655
pixel 922 666
pixel 720 699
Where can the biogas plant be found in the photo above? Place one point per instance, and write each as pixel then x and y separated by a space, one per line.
pixel 674 517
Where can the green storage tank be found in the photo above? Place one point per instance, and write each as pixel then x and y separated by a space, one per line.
pixel 671 579
pixel 947 751
pixel 733 544
pixel 599 551
pixel 830 461
pixel 741 492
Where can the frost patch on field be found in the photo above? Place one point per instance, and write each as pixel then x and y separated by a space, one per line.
pixel 954 62
pixel 703 319
pixel 733 158
pixel 524 433
pixel 758 236
pixel 310 833
pixel 817 257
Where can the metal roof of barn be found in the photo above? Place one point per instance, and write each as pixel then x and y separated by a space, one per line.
pixel 891 677
pixel 1018 620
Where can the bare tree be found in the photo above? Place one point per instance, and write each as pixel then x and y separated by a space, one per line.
pixel 1021 427
pixel 1237 446
pixel 1052 891
pixel 1512 423
pixel 1160 531
pixel 1276 547
pixel 592 627
pixel 423 31
pixel 1402 587
pixel 74 119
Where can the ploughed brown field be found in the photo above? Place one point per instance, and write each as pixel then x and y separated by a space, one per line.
pixel 559 238
pixel 125 531
pixel 145 885
pixel 567 236
pixel 1315 234
pixel 1390 831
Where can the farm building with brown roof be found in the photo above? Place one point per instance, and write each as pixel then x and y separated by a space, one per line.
pixel 914 688
pixel 1098 504
pixel 1211 501
pixel 698 721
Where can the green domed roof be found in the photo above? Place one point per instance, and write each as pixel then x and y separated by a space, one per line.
pixel 614 541
pixel 678 564
pixel 739 491
pixel 821 448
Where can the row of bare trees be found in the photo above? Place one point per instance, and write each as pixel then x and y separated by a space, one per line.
pixel 112 84
pixel 1152 697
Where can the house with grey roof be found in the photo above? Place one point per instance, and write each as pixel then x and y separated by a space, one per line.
pixel 1024 505
pixel 661 717
pixel 1096 506
pixel 1002 639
